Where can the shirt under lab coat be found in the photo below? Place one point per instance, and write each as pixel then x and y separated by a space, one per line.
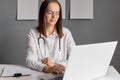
pixel 50 49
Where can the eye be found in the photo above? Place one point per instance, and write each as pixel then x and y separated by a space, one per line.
pixel 57 13
pixel 50 12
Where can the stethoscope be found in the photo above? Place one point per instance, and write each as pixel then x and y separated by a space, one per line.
pixel 42 38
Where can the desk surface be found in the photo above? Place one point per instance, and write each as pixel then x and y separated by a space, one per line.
pixel 112 74
pixel 35 75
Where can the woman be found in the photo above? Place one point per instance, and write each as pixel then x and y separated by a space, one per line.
pixel 49 44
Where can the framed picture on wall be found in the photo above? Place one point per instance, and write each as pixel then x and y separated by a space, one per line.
pixel 81 9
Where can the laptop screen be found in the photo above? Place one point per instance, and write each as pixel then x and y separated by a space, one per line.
pixel 87 62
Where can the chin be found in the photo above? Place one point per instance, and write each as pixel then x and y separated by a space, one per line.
pixel 52 24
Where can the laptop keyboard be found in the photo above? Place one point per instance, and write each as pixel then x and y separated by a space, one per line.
pixel 58 78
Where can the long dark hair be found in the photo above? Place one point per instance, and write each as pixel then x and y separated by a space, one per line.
pixel 41 27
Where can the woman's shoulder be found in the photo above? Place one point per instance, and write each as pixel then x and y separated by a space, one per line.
pixel 66 31
pixel 33 30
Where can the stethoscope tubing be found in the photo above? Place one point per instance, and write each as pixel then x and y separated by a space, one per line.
pixel 40 37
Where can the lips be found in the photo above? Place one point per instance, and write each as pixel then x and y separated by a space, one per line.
pixel 52 20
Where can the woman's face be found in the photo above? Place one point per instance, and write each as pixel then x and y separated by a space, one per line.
pixel 51 14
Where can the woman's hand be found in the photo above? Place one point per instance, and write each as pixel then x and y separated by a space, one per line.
pixel 62 68
pixel 55 69
pixel 52 67
pixel 48 62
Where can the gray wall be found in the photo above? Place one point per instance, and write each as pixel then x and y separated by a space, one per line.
pixel 104 27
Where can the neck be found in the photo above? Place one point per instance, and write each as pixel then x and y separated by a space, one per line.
pixel 50 30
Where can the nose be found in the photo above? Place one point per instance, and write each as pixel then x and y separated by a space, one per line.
pixel 53 15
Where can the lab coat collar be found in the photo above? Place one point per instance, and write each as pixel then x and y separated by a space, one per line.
pixel 54 34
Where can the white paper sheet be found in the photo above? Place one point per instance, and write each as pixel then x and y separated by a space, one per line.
pixel 9 71
pixel 27 10
pixel 81 9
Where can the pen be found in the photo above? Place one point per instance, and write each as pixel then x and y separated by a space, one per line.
pixel 2 71
pixel 18 75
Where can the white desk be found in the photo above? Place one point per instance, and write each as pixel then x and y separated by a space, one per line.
pixel 35 75
pixel 112 74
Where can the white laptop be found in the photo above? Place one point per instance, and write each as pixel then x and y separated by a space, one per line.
pixel 89 62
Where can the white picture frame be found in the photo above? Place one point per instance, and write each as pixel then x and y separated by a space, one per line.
pixel 27 10
pixel 81 9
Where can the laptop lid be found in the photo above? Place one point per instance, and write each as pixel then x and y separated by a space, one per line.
pixel 87 62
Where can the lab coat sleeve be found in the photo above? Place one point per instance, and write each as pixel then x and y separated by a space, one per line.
pixel 69 41
pixel 32 60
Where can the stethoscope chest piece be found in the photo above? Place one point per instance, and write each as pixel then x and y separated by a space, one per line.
pixel 59 52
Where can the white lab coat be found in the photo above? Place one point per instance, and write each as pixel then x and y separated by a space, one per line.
pixel 37 52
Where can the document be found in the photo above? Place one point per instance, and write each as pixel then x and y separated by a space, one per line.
pixel 11 70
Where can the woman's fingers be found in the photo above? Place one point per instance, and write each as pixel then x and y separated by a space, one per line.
pixel 44 61
pixel 54 69
pixel 60 66
pixel 48 61
pixel 57 70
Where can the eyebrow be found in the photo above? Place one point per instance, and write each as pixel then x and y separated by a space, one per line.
pixel 53 11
